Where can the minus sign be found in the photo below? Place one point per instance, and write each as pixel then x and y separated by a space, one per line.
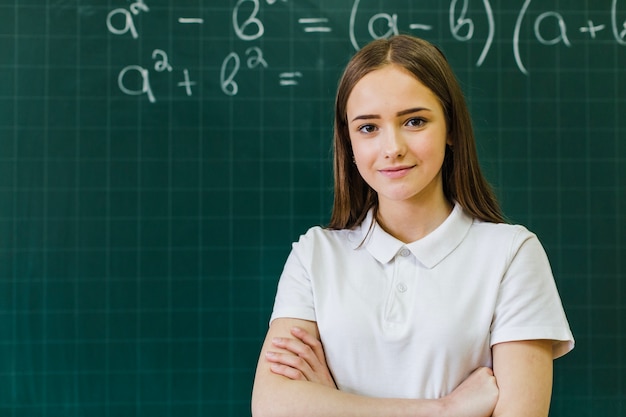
pixel 318 29
pixel 312 20
pixel 290 74
pixel 420 26
pixel 190 20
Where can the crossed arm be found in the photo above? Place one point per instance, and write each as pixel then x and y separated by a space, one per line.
pixel 292 380
pixel 295 381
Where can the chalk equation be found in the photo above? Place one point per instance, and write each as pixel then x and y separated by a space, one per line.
pixel 547 27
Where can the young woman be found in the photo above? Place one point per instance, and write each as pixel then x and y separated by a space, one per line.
pixel 417 299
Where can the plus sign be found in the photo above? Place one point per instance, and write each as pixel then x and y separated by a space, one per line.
pixel 187 83
pixel 591 29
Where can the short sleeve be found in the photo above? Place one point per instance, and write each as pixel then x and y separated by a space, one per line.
pixel 528 305
pixel 294 296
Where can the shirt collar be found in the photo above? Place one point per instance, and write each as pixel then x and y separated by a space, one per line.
pixel 430 250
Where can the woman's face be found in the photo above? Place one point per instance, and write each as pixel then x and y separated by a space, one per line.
pixel 398 135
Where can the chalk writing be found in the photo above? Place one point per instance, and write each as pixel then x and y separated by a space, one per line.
pixel 189 20
pixel 138 7
pixel 230 68
pixel 232 64
pixel 145 88
pixel 250 24
pixel 420 26
pixel 591 29
pixel 128 23
pixel 313 24
pixel 561 37
pixel 467 21
pixel 619 31
pixel 162 63
pixel 290 78
pixel 186 83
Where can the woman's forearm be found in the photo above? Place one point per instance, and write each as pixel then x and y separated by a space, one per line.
pixel 275 396
pixel 293 380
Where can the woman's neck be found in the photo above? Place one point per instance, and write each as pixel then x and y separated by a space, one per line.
pixel 410 222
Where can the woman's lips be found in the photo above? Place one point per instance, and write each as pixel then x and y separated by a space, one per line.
pixel 396 172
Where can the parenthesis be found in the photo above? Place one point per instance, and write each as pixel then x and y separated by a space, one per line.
pixel 518 25
pixel 492 29
pixel 619 37
pixel 355 8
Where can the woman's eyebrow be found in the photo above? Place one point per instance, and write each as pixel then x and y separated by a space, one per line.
pixel 366 117
pixel 398 114
pixel 412 110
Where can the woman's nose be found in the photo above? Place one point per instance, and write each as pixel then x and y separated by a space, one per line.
pixel 394 145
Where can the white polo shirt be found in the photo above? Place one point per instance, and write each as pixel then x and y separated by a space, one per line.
pixel 414 320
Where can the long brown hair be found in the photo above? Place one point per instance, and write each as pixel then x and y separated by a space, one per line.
pixel 463 181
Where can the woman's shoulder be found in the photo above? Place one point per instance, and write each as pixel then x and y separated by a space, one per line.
pixel 320 238
pixel 321 234
pixel 319 242
pixel 504 241
pixel 501 233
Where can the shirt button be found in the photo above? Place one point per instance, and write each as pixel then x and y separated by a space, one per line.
pixel 401 287
pixel 405 252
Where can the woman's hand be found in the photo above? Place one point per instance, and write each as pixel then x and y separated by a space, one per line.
pixel 475 397
pixel 305 361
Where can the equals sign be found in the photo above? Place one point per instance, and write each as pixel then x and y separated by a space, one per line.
pixel 289 78
pixel 314 24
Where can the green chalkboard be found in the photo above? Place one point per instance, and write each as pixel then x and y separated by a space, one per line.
pixel 158 157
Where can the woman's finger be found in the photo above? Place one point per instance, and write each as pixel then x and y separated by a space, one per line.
pixel 287 371
pixel 305 356
pixel 311 341
pixel 297 347
pixel 299 368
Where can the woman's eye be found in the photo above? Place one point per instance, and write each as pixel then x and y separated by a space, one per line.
pixel 416 122
pixel 367 129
